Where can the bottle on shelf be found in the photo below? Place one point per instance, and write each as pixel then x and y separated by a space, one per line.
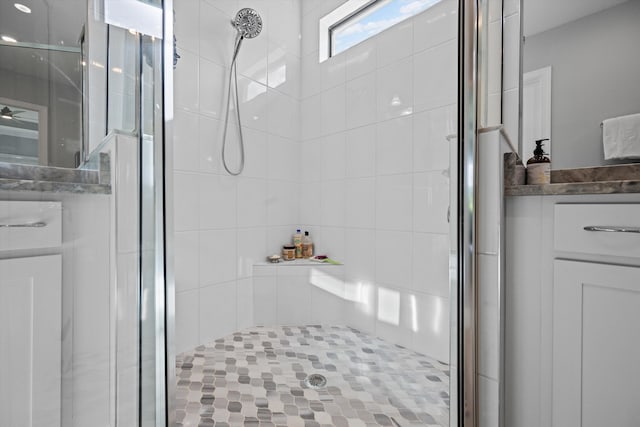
pixel 307 246
pixel 539 166
pixel 297 242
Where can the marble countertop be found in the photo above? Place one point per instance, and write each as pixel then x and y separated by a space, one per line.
pixel 97 180
pixel 614 179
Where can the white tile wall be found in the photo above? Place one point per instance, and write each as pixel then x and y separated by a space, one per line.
pixel 221 221
pixel 354 148
pixel 380 167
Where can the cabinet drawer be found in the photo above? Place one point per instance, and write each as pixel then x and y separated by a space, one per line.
pixel 30 225
pixel 570 235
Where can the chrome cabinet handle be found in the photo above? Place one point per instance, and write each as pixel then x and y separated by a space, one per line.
pixel 39 224
pixel 612 229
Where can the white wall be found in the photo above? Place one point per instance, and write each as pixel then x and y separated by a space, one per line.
pixel 374 154
pixel 225 224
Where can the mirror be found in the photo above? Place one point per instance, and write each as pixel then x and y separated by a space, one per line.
pixel 41 82
pixel 23 132
pixel 580 67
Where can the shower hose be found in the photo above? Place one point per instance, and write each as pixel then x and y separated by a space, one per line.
pixel 233 78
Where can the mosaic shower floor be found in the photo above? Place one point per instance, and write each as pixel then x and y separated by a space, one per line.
pixel 256 378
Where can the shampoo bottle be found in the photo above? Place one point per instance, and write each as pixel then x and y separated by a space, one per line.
pixel 539 166
pixel 307 246
pixel 297 242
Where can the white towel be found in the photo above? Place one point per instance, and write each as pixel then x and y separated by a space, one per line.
pixel 621 137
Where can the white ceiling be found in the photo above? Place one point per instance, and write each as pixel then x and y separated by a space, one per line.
pixel 56 22
pixel 543 15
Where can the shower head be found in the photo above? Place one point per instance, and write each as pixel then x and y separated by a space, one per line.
pixel 248 23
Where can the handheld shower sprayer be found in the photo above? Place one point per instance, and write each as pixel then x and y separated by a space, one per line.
pixel 248 25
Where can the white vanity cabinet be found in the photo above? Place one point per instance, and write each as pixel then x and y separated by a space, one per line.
pixel 596 315
pixel 30 313
pixel 572 332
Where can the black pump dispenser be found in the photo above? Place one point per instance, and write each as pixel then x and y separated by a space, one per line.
pixel 539 166
pixel 538 153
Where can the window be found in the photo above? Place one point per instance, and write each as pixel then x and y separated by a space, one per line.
pixel 357 20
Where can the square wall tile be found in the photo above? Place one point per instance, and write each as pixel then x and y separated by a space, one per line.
pixel 430 145
pixel 216 40
pixel 187 13
pixel 431 264
pixel 430 202
pixel 333 245
pixel 395 43
pixel 310 206
pixel 186 83
pixel 293 300
pixel 310 78
pixel 360 202
pixel 333 203
pixel 332 114
pixel 431 335
pixel 393 321
pixel 264 300
pixel 361 59
pixel 186 260
pixel 361 304
pixel 436 25
pixel 256 154
pixel 217 311
pixel 284 72
pixel 218 206
pixel 393 258
pixel 360 257
pixel 187 320
pixel 213 80
pixel 186 205
pixel 395 89
pixel 253 104
pixel 283 155
pixel 252 249
pixel 394 202
pixel 209 144
pixel 332 72
pixel 333 157
pixel 252 202
pixel 361 152
pixel 436 86
pixel 253 59
pixel 244 308
pixel 311 113
pixel 282 203
pixel 361 101
pixel 394 146
pixel 311 153
pixel 284 113
pixel 217 256
pixel 185 141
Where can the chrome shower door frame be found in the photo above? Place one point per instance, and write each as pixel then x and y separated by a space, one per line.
pixel 465 204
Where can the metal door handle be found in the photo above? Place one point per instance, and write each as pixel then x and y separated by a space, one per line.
pixel 38 224
pixel 612 229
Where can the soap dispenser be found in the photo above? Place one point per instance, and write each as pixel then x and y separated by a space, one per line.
pixel 539 166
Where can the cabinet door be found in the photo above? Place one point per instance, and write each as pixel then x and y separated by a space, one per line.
pixel 596 345
pixel 30 341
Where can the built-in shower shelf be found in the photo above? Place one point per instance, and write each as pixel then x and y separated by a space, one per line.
pixel 297 262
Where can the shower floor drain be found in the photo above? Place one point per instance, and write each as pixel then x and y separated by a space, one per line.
pixel 315 381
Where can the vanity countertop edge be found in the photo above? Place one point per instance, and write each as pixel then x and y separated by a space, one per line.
pixel 613 179
pixel 95 179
